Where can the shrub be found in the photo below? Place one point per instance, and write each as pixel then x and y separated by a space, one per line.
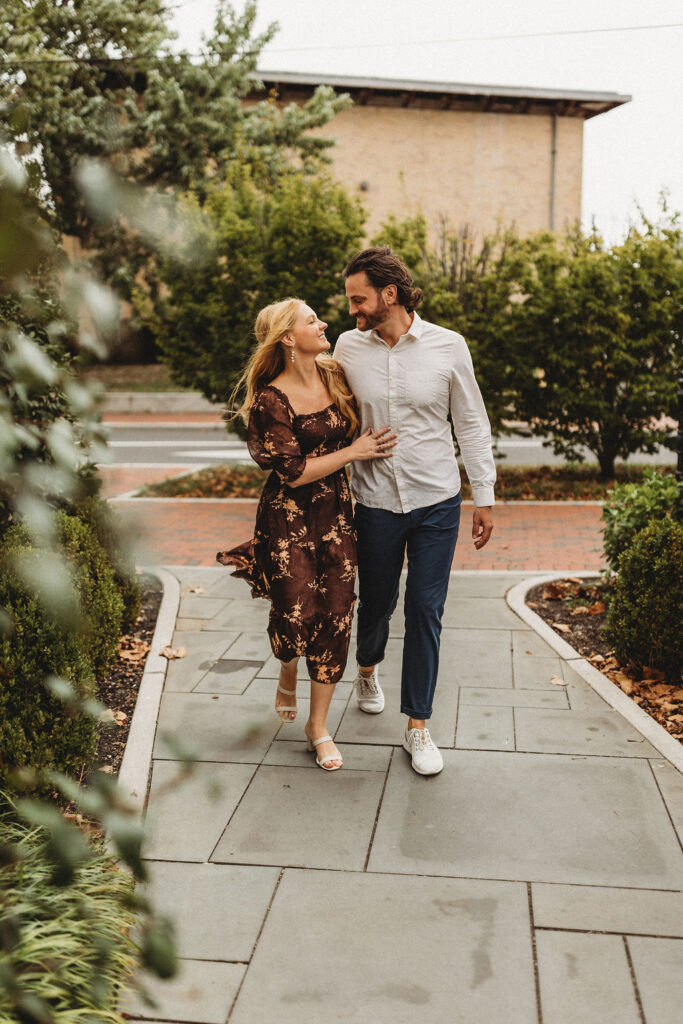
pixel 100 601
pixel 104 521
pixel 645 615
pixel 630 507
pixel 72 945
pixel 38 731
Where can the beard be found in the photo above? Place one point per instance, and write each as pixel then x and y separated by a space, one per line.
pixel 369 321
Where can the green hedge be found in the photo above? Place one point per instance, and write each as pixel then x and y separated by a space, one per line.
pixel 646 611
pixel 38 730
pixel 105 522
pixel 630 507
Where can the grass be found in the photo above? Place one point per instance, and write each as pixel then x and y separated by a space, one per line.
pixel 72 945
pixel 515 483
pixel 135 377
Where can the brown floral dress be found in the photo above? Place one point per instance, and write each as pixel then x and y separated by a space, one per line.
pixel 303 554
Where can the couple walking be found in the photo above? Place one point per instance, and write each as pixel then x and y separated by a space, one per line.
pixel 382 405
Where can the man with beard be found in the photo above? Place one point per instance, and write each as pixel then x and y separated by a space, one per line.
pixel 409 374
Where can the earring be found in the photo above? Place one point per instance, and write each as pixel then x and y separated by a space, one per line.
pixel 292 354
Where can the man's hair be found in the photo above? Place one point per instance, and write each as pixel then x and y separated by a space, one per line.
pixel 383 267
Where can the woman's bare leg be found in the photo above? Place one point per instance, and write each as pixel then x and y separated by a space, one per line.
pixel 287 681
pixel 321 697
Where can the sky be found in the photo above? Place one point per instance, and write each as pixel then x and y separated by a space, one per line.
pixel 630 154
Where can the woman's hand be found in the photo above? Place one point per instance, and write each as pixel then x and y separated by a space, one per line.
pixel 372 445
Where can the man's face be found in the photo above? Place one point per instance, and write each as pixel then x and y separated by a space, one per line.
pixel 365 302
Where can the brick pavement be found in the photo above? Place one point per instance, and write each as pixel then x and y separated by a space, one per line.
pixel 527 537
pixel 160 419
pixel 122 479
pixel 184 531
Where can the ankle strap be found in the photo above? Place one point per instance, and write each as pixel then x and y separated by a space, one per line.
pixel 281 689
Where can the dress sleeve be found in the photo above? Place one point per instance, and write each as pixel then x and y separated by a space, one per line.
pixel 270 437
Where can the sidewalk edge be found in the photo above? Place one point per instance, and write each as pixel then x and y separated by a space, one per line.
pixel 134 772
pixel 656 734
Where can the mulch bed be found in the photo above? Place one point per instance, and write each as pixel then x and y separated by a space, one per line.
pixel 119 691
pixel 515 483
pixel 577 609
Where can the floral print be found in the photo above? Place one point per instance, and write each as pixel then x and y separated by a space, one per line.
pixel 303 554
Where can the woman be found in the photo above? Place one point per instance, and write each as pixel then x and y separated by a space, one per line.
pixel 301 417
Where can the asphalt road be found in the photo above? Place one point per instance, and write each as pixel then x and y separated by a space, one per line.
pixel 189 445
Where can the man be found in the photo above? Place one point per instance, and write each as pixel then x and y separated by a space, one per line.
pixel 409 375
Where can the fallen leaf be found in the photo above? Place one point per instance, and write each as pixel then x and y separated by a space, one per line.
pixel 556 681
pixel 597 608
pixel 532 604
pixel 579 610
pixel 597 658
pixel 120 717
pixel 660 689
pixel 572 579
pixel 552 592
pixel 562 627
pixel 678 694
pixel 106 716
pixel 173 652
pixel 133 650
pixel 625 683
pixel 107 769
pixel 621 677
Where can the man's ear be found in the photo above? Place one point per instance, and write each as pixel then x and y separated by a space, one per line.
pixel 390 292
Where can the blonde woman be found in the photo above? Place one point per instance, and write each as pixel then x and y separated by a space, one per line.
pixel 301 417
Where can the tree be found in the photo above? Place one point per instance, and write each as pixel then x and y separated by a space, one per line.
pixel 257 245
pixel 469 286
pixel 598 340
pixel 100 79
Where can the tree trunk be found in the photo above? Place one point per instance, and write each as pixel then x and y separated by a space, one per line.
pixel 607 460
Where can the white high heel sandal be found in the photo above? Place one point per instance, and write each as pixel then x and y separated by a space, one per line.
pixel 323 761
pixel 282 709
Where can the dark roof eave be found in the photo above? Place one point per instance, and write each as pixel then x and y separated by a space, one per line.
pixel 448 95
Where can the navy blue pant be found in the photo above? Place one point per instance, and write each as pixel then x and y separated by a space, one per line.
pixel 428 535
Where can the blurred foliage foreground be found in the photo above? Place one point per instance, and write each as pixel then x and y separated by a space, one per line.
pixel 67 898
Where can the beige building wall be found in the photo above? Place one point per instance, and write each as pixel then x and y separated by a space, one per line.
pixel 475 168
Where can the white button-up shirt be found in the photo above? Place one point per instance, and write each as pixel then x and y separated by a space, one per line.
pixel 411 387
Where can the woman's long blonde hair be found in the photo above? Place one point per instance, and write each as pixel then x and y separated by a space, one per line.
pixel 267 361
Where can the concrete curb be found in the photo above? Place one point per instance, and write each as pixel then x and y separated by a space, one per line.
pixel 639 719
pixel 134 772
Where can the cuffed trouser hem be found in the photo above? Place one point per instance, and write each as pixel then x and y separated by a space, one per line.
pixel 419 715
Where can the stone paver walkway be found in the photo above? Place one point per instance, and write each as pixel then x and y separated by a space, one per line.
pixel 535 881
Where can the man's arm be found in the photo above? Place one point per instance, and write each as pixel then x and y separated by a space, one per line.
pixel 473 432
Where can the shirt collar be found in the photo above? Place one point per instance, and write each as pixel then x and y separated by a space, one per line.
pixel 414 332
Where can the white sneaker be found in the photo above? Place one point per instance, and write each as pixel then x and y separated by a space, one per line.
pixel 369 693
pixel 427 759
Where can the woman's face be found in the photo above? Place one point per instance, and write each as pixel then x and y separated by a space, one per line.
pixel 308 333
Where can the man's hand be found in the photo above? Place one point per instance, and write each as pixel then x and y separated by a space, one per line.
pixel 482 526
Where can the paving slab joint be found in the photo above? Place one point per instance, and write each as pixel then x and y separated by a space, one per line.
pixel 656 734
pixel 137 758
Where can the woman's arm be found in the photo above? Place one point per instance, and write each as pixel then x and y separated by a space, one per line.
pixel 369 445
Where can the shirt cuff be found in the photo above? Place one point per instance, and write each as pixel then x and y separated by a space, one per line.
pixel 483 495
